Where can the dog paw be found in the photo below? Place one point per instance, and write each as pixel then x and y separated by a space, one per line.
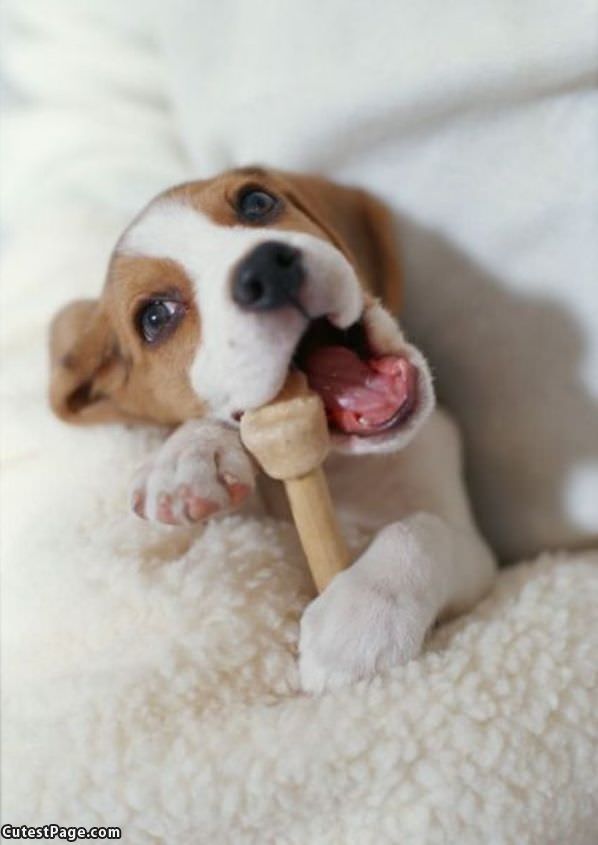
pixel 355 630
pixel 201 470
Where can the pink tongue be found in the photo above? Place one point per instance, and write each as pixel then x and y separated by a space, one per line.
pixel 361 397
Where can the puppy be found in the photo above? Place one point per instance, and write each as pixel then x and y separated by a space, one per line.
pixel 213 292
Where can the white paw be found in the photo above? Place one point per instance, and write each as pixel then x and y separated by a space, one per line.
pixel 356 629
pixel 201 470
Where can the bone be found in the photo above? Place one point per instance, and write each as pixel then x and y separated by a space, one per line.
pixel 289 439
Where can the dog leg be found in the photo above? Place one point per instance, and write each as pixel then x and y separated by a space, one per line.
pixel 200 470
pixel 375 614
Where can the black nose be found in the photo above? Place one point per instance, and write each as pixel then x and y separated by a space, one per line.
pixel 269 277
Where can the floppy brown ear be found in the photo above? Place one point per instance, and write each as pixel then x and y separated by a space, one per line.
pixel 86 368
pixel 361 226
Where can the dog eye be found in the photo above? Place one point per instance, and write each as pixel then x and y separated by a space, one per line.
pixel 158 318
pixel 255 205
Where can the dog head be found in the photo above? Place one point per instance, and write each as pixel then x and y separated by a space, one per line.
pixel 220 286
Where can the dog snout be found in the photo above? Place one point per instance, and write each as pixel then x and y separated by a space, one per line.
pixel 269 277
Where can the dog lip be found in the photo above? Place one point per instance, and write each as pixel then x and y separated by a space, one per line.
pixel 363 348
pixel 356 379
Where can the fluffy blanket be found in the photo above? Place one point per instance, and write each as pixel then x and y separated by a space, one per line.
pixel 150 677
pixel 149 674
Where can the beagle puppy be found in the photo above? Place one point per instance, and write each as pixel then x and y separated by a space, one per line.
pixel 213 292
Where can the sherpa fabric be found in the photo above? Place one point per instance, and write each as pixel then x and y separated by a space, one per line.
pixel 150 681
pixel 149 675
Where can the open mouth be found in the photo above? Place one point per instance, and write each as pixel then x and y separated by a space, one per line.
pixel 364 393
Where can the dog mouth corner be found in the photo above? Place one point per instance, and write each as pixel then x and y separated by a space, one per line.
pixel 365 391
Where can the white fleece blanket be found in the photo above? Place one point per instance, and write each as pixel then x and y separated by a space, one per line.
pixel 149 676
pixel 150 680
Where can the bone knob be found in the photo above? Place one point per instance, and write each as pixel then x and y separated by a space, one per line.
pixel 289 439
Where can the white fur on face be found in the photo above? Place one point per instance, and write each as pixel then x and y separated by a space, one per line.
pixel 243 358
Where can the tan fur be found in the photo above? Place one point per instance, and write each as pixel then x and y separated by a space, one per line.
pixel 100 368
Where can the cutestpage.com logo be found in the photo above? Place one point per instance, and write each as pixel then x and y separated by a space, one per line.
pixel 57 831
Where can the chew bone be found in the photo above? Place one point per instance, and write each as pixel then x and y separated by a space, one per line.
pixel 289 439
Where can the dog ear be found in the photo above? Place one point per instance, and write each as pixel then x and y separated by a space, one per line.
pixel 86 366
pixel 360 225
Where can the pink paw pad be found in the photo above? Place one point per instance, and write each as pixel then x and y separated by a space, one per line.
pixel 138 503
pixel 165 513
pixel 237 491
pixel 196 507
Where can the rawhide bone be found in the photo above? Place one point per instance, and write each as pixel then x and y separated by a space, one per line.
pixel 289 439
